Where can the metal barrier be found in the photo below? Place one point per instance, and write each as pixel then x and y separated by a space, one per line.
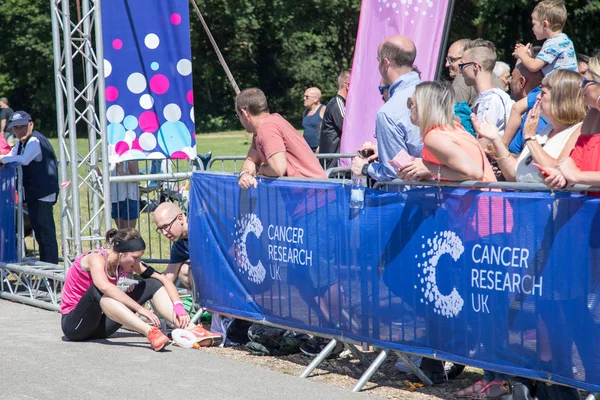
pixel 230 163
pixel 282 299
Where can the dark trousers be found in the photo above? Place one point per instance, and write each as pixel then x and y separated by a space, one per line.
pixel 42 222
pixel 87 320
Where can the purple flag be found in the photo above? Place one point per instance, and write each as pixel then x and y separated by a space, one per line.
pixel 420 20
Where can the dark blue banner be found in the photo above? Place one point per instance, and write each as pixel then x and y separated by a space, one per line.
pixel 148 71
pixel 8 247
pixel 502 281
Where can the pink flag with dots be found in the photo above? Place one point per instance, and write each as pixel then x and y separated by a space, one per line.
pixel 420 20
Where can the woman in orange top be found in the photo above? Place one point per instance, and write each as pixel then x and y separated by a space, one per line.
pixel 449 153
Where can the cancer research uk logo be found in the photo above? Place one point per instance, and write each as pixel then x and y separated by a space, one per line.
pixel 248 223
pixel 446 242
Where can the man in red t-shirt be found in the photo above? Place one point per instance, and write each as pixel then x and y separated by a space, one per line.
pixel 277 148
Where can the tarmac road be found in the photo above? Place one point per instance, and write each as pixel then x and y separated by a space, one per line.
pixel 37 363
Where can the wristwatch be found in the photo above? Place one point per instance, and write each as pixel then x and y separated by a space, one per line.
pixel 242 173
pixel 530 138
pixel 365 170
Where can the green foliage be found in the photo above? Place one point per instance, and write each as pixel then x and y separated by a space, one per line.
pixel 281 46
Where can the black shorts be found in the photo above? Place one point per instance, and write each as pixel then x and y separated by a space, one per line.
pixel 87 321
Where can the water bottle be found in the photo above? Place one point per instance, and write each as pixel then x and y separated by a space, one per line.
pixel 357 192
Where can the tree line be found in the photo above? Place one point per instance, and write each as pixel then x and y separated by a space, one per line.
pixel 281 46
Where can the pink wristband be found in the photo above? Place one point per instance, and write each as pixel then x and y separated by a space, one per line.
pixel 179 309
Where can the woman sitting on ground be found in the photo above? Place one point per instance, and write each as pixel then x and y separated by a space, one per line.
pixel 561 102
pixel 93 307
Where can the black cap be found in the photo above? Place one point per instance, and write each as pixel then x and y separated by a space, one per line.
pixel 18 118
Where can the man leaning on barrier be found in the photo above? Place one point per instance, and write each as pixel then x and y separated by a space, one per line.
pixel 277 149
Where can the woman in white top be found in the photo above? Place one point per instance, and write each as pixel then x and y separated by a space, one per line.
pixel 561 102
pixel 125 196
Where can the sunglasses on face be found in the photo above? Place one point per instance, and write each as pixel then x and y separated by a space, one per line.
pixel 586 82
pixel 383 89
pixel 409 104
pixel 462 66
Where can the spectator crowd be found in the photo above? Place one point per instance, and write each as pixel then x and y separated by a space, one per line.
pixel 536 122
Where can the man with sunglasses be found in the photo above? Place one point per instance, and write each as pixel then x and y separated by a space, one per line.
pixel 172 223
pixel 477 68
pixel 463 92
pixel 333 119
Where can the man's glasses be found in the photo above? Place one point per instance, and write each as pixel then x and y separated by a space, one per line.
pixel 167 227
pixel 383 89
pixel 452 60
pixel 462 66
pixel 586 82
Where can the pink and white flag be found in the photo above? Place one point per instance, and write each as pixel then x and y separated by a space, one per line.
pixel 420 20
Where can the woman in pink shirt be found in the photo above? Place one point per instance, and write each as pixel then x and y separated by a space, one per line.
pixel 93 307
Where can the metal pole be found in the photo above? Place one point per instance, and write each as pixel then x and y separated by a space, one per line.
pixel 319 359
pixel 89 78
pixel 60 126
pixel 214 44
pixel 442 53
pixel 101 111
pixel 371 370
pixel 68 56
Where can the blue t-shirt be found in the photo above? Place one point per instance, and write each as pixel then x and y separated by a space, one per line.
pixel 180 252
pixel 516 145
pixel 559 53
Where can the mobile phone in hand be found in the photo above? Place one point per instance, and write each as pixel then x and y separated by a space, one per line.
pixel 366 153
pixel 401 159
pixel 543 170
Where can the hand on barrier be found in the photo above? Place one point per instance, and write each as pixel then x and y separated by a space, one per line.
pixel 246 180
pixel 414 171
pixel 555 180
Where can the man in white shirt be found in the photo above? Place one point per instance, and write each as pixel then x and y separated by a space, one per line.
pixel 40 181
pixel 477 67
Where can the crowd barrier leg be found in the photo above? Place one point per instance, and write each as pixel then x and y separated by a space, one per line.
pixel 415 370
pixel 371 370
pixel 356 353
pixel 319 359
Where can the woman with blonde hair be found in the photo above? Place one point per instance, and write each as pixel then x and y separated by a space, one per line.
pixel 583 165
pixel 561 102
pixel 450 153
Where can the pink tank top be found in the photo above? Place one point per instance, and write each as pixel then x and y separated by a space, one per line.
pixel 78 281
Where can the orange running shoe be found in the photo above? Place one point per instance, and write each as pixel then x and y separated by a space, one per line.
pixel 157 339
pixel 205 337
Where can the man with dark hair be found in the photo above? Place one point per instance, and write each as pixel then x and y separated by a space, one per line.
pixel 333 119
pixel 5 113
pixel 393 128
pixel 277 148
pixel 40 181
